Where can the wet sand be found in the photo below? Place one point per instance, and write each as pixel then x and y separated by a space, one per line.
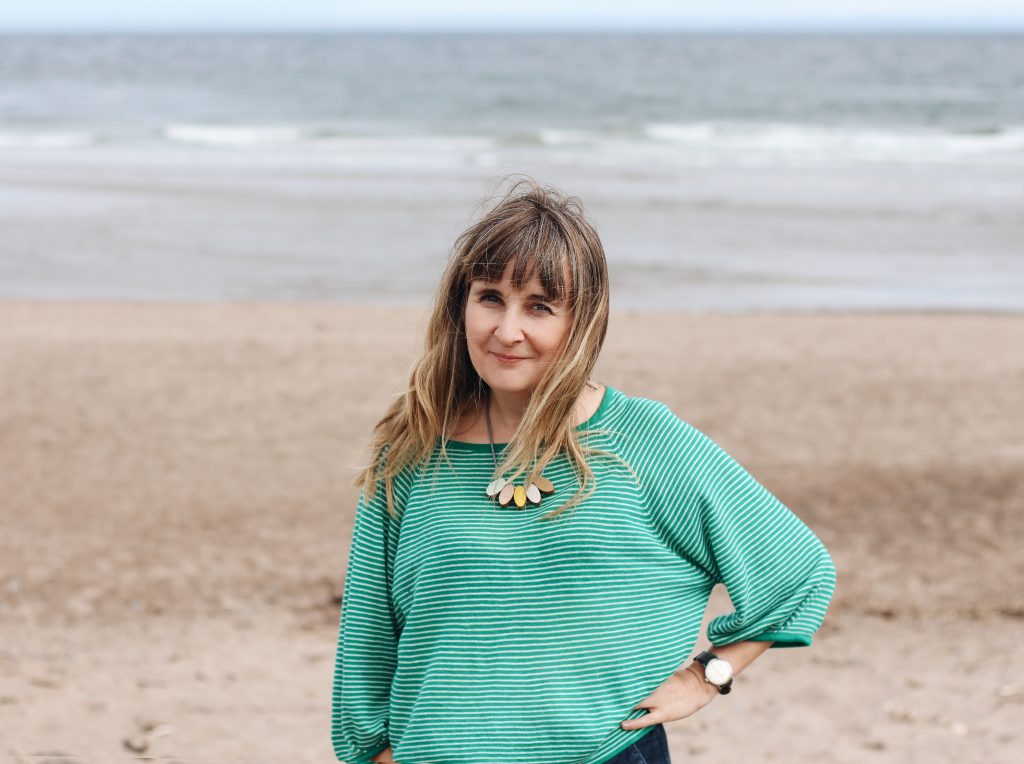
pixel 176 504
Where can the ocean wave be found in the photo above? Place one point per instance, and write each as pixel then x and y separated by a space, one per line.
pixel 239 136
pixel 851 143
pixel 565 137
pixel 43 140
pixel 321 138
pixel 708 143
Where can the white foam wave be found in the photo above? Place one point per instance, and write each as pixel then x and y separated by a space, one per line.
pixel 349 150
pixel 563 137
pixel 47 140
pixel 705 143
pixel 783 140
pixel 239 136
pixel 321 139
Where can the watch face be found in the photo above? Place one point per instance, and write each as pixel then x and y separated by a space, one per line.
pixel 718 671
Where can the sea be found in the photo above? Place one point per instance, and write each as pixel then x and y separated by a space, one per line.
pixel 724 171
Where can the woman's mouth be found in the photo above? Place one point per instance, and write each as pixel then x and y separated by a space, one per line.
pixel 509 359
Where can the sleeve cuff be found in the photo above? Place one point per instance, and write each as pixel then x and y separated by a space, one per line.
pixel 365 757
pixel 783 639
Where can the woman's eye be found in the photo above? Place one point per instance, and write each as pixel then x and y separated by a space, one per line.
pixel 534 306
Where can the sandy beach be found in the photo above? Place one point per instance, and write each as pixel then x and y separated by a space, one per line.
pixel 176 503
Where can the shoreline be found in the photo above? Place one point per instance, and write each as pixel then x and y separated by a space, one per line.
pixel 758 238
pixel 401 303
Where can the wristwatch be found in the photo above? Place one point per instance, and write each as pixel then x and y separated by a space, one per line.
pixel 717 671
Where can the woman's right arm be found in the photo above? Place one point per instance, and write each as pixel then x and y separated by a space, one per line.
pixel 366 654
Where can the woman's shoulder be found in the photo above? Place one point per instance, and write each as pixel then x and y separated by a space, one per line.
pixel 592 398
pixel 648 423
pixel 641 406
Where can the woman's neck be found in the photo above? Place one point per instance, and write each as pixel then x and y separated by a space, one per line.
pixel 506 411
pixel 507 415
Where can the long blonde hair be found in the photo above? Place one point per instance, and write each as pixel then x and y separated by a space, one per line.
pixel 539 230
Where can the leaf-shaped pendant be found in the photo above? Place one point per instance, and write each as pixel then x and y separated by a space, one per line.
pixel 496 486
pixel 544 484
pixel 520 496
pixel 506 494
pixel 533 493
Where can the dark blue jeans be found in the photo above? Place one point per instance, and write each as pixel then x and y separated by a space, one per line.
pixel 652 748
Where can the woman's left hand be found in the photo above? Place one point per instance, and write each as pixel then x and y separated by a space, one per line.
pixel 677 697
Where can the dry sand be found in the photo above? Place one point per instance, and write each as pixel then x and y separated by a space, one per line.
pixel 176 505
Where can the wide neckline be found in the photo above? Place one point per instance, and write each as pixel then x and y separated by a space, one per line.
pixel 464 445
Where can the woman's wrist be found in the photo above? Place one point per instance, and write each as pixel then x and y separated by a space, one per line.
pixel 697 674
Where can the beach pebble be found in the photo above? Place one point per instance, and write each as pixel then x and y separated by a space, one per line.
pixel 79 607
pixel 900 713
pixel 136 743
pixel 47 757
pixel 1014 692
pixel 161 730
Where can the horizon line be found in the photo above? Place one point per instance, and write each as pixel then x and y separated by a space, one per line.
pixel 999 27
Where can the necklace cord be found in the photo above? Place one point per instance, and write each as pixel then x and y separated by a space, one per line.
pixel 490 435
pixel 531 491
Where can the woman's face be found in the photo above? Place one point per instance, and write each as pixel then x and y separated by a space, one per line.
pixel 523 325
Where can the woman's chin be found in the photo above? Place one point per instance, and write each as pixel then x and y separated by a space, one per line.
pixel 510 383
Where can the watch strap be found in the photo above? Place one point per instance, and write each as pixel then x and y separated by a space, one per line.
pixel 704 658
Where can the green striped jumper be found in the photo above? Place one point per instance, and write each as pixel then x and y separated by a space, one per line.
pixel 472 633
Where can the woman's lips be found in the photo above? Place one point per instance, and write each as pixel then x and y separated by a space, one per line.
pixel 508 358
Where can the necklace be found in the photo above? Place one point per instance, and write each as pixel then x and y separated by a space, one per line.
pixel 503 489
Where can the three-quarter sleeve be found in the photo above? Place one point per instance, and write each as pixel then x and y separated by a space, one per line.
pixel 366 654
pixel 714 513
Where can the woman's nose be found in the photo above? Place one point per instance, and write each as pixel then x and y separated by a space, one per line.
pixel 509 329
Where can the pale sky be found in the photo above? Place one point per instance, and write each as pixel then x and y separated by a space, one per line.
pixel 336 15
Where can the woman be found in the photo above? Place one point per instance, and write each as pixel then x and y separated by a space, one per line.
pixel 533 552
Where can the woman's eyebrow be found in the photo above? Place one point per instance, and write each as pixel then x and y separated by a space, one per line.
pixel 493 290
